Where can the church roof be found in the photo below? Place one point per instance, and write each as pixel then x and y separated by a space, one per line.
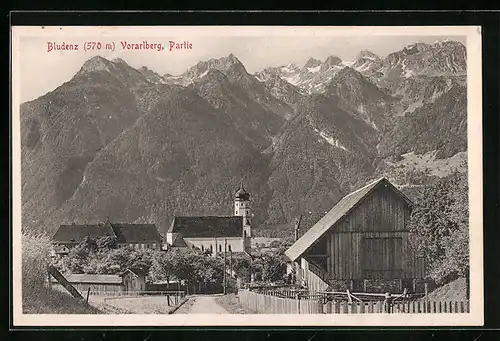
pixel 208 226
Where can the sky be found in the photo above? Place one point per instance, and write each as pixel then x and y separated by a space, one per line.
pixel 42 71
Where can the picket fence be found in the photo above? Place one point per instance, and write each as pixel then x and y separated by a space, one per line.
pixel 133 293
pixel 268 304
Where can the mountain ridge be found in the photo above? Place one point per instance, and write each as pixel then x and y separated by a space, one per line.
pixel 130 144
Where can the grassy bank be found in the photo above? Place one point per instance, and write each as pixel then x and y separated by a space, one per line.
pixel 37 297
pixel 231 303
pixel 52 301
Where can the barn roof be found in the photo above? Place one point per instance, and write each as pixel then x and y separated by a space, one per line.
pixel 342 208
pixel 307 220
pixel 130 233
pixel 207 226
pixel 93 279
pixel 76 233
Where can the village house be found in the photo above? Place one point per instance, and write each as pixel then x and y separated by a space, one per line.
pixel 213 233
pixel 361 244
pixel 137 236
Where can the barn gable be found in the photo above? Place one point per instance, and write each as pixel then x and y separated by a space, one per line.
pixel 338 215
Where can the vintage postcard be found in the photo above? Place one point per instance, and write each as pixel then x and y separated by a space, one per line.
pixel 233 175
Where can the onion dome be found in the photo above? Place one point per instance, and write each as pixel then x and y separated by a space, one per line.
pixel 242 194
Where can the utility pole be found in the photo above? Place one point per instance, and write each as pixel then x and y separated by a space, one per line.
pixel 225 243
pixel 230 263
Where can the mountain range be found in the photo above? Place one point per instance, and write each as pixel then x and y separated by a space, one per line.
pixel 132 145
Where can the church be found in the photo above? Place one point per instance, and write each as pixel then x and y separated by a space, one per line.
pixel 216 233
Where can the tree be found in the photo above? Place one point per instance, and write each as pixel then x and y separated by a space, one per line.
pixel 273 267
pixel 241 266
pixel 107 242
pixel 440 223
pixel 162 267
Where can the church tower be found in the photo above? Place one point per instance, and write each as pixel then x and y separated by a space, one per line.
pixel 242 208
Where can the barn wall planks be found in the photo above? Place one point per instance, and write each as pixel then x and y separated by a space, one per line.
pixel 382 214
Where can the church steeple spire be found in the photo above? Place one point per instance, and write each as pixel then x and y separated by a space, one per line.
pixel 242 209
pixel 242 194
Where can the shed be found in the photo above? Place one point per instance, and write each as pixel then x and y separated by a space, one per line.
pixel 96 283
pixel 362 243
pixel 134 279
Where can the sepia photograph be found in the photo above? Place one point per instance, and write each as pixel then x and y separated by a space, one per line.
pixel 276 175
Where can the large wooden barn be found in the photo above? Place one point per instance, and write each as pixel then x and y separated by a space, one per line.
pixel 361 244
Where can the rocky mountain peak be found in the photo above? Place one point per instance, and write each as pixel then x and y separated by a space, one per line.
pixel 415 48
pixel 348 72
pixel 332 60
pixel 120 61
pixel 367 55
pixel 312 62
pixel 97 63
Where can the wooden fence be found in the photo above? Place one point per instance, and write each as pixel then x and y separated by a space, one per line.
pixel 263 303
pixel 136 293
pixel 267 304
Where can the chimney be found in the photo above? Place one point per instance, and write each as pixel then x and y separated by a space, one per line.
pixel 297 224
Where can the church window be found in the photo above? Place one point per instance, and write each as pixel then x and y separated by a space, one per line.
pixel 245 233
pixel 247 211
pixel 236 212
pixel 220 248
pixel 202 247
pixel 230 248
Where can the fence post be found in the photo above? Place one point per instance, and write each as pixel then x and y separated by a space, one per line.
pixel 298 303
pixel 387 303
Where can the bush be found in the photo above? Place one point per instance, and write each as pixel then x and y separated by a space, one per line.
pixel 35 259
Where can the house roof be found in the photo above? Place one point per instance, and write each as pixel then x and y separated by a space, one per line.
pixel 94 279
pixel 76 233
pixel 342 208
pixel 130 233
pixel 125 233
pixel 207 226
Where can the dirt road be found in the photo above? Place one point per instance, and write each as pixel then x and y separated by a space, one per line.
pixel 203 304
